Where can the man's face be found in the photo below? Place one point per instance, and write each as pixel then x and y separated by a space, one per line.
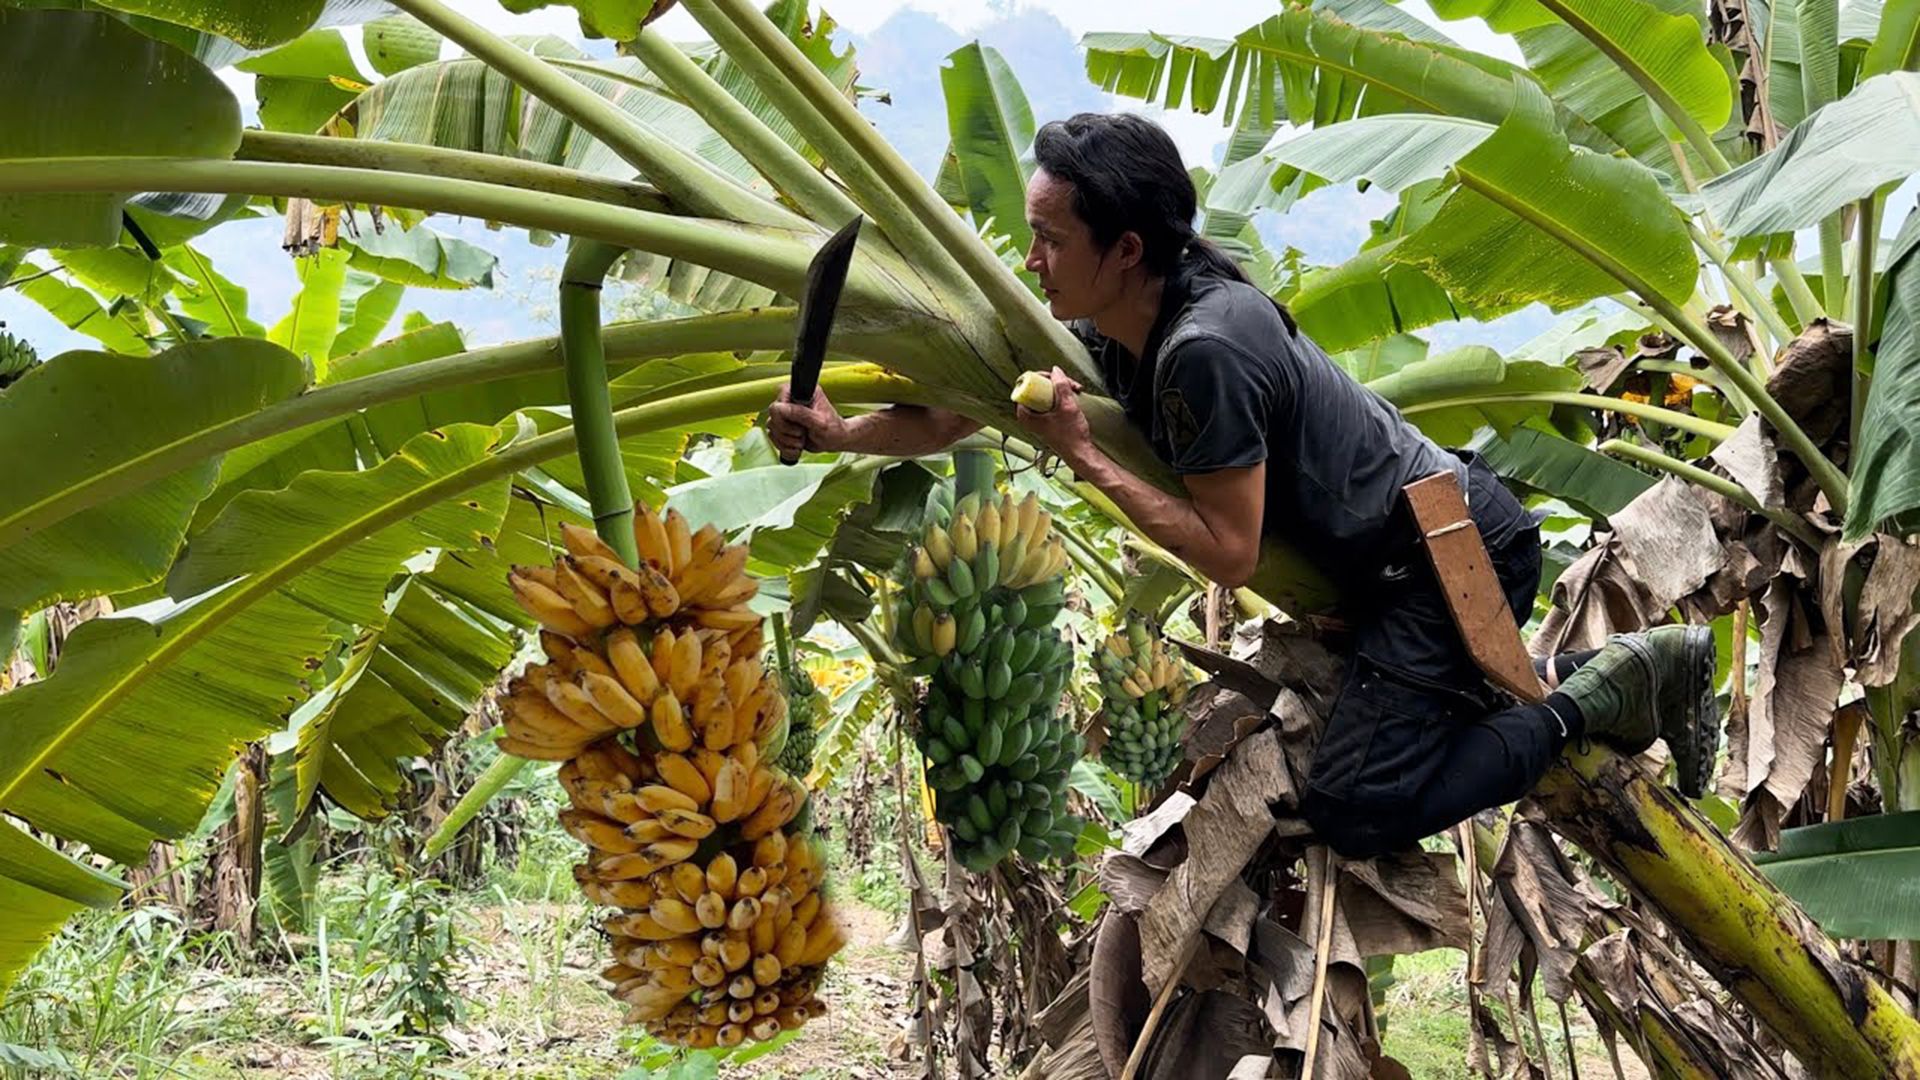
pixel 1080 280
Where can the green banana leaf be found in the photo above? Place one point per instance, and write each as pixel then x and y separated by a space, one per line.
pixel 302 84
pixel 313 317
pixel 204 294
pixel 1550 464
pixel 269 585
pixel 1858 878
pixel 82 411
pixel 1304 65
pixel 398 42
pixel 616 19
pixel 1893 43
pixel 420 256
pixel 1884 491
pixel 138 98
pixel 1840 154
pixel 1382 357
pixel 991 127
pixel 1533 219
pixel 290 855
pixel 79 310
pixel 1819 26
pixel 367 305
pixel 405 688
pixel 1370 296
pixel 1585 328
pixel 1588 59
pixel 1455 394
pixel 251 23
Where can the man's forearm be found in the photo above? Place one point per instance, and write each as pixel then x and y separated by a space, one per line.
pixel 905 431
pixel 1168 520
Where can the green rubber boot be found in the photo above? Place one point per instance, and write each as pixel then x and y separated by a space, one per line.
pixel 1654 685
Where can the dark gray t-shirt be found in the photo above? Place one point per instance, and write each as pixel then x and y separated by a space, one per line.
pixel 1228 382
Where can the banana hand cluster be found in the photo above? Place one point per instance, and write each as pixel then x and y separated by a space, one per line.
pixel 1144 685
pixel 716 942
pixel 978 600
pixel 655 697
pixel 807 713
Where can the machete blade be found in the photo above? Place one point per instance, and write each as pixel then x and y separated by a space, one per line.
pixel 826 276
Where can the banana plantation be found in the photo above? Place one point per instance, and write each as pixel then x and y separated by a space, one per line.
pixel 378 703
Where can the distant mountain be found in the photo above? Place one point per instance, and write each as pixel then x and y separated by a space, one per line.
pixel 904 55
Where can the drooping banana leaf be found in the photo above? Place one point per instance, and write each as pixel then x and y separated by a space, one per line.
pixel 83 411
pixel 289 859
pixel 1858 878
pixel 1837 156
pixel 264 593
pixel 421 257
pixel 300 85
pixel 991 129
pixel 1885 484
pixel 84 84
pixel 1453 395
pixel 405 688
pixel 1598 485
pixel 313 318
pixel 252 23
pixel 397 42
pixel 78 309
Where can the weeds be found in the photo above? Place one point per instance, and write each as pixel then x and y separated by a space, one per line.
pixel 106 997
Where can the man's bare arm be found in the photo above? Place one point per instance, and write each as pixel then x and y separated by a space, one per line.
pixel 906 431
pixel 1216 529
pixel 898 431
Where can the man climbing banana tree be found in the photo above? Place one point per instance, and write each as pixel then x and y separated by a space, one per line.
pixel 1272 439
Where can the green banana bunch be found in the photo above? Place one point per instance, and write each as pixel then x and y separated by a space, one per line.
pixel 1143 685
pixel 807 712
pixel 16 357
pixel 977 601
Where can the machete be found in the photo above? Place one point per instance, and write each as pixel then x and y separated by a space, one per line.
pixel 826 276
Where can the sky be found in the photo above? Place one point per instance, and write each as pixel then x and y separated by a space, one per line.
pixel 900 48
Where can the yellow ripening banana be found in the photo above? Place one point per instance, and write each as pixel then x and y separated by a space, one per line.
pixel 712 911
pixel 529 715
pixel 770 849
pixel 670 724
pixel 679 543
pixel 684 675
pixel 660 654
pixel 601 570
pixel 807 912
pixel 923 628
pixel 987 524
pixel 589 601
pixel 739 617
pixel 629 604
pixel 741 677
pixel 657 591
pixel 740 590
pixel 781 804
pixel 923 567
pixel 569 698
pixel 939 546
pixel 690 882
pixel 597 832
pixel 791 944
pixel 735 951
pixel 650 537
pixel 722 872
pixel 713 717
pixel 715 656
pixel 612 699
pixel 671 850
pixel 675 914
pixel 965 540
pixel 710 764
pixel 681 775
pixel 772 710
pixel 720 573
pixel 630 663
pixel 548 607
pixel 945 633
pixel 1042 528
pixel 560 652
pixel 658 797
pixel 760 781
pixel 1029 515
pixel 1009 520
pixel 510 745
pixel 583 542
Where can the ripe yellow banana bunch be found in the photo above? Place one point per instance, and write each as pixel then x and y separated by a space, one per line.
pixel 987 544
pixel 695 576
pixel 680 689
pixel 654 696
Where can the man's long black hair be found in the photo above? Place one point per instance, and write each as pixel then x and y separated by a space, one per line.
pixel 1126 174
